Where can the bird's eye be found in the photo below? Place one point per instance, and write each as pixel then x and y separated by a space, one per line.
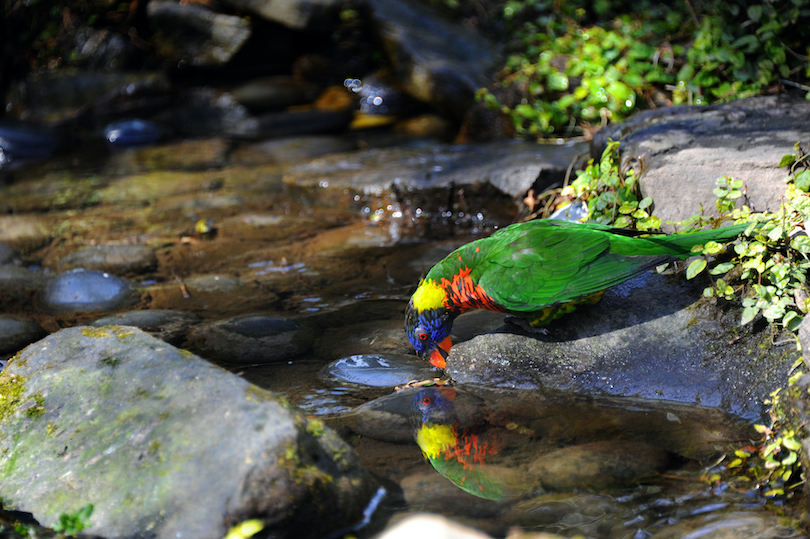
pixel 426 401
pixel 422 336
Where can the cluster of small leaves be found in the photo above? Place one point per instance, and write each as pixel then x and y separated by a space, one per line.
pixel 74 523
pixel 585 74
pixel 772 464
pixel 744 48
pixel 576 63
pixel 771 259
pixel 612 196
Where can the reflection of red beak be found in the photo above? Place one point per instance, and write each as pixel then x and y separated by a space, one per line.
pixel 438 356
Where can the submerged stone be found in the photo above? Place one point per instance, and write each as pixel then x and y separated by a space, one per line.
pixel 166 445
pixel 249 339
pixel 132 133
pixel 83 290
pixel 7 253
pixel 16 333
pixel 378 370
pixel 164 324
pixel 120 258
pixel 18 283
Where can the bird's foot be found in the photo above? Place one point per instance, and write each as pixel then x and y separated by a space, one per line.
pixel 524 324
pixel 442 382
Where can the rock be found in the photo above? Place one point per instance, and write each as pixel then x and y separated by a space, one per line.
pixel 23 140
pixel 378 370
pixel 491 174
pixel 249 339
pixel 204 112
pixel 440 62
pixel 8 254
pixel 113 257
pixel 15 333
pixel 731 525
pixel 194 34
pixel 164 324
pixel 683 150
pixel 597 466
pixel 18 283
pixel 82 290
pixel 198 154
pixel 92 98
pixel 291 150
pixel 274 93
pixel 309 15
pixel 165 444
pixel 650 337
pixel 384 419
pixel 25 232
pixel 427 526
pixel 213 283
pixel 286 124
pixel 132 133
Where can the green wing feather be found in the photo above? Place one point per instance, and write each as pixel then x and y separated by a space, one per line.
pixel 542 263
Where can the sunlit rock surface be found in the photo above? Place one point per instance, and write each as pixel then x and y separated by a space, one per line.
pixel 651 337
pixel 165 444
pixel 691 147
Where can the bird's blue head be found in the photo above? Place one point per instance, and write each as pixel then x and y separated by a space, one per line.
pixel 429 332
pixel 433 406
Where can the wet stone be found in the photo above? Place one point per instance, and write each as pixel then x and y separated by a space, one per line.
pixel 132 133
pixel 165 324
pixel 16 333
pixel 213 283
pixel 118 258
pixel 249 339
pixel 384 419
pixel 7 253
pixel 378 370
pixel 84 291
pixel 597 466
pixel 17 282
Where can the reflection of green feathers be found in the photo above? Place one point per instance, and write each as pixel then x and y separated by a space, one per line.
pixel 459 454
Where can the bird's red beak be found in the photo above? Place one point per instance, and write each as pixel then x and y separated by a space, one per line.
pixel 438 356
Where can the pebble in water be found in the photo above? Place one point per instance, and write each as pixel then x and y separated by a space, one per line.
pixel 132 133
pixel 83 290
pixel 113 257
pixel 166 325
pixel 378 370
pixel 249 339
pixel 16 333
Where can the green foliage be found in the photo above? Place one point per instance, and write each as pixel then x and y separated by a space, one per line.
pixel 772 464
pixel 771 259
pixel 74 523
pixel 579 63
pixel 612 197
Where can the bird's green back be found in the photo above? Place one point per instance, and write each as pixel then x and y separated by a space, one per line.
pixel 528 266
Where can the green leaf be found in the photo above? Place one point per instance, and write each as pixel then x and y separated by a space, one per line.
pixel 801 244
pixel 748 314
pixel 787 160
pixel 802 180
pixel 720 269
pixel 694 269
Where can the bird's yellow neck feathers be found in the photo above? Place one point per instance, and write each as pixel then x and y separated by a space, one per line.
pixel 429 295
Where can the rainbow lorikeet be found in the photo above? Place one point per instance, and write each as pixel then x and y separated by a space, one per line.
pixel 463 448
pixel 538 270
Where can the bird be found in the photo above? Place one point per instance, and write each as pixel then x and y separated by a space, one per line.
pixel 537 270
pixel 464 447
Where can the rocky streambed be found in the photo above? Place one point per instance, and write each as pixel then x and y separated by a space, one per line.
pixel 208 331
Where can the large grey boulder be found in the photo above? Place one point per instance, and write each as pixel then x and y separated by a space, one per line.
pixel 164 444
pixel 652 337
pixel 682 151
